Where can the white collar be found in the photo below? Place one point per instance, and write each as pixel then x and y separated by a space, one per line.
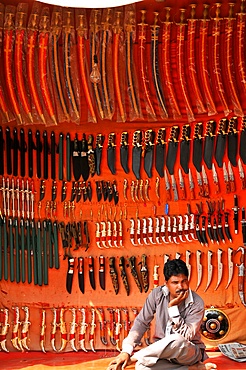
pixel 189 300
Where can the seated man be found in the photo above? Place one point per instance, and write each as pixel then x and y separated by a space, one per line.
pixel 178 312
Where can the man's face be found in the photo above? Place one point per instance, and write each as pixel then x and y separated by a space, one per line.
pixel 177 284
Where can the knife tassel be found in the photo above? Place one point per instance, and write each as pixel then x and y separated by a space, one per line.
pixel 166 69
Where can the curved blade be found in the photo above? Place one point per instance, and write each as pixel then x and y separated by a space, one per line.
pixel 242 146
pixel 232 148
pixel 171 156
pixel 148 161
pixel 185 155
pixel 111 159
pixel 197 154
pixel 160 159
pixel 220 149
pixel 136 161
pixel 124 153
pixel 208 151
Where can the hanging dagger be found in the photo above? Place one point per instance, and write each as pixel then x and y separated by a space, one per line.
pixel 137 153
pixel 172 149
pixel 148 152
pixel 232 141
pixel 221 137
pixel 185 148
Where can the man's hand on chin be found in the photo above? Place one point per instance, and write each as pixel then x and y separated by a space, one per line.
pixel 182 295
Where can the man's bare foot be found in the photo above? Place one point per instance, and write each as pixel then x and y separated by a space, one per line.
pixel 201 366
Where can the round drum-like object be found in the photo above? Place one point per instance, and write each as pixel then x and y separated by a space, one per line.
pixel 215 325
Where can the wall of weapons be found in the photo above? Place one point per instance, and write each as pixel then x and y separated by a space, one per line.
pixel 89 214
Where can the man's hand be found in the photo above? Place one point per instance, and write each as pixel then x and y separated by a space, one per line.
pixel 119 362
pixel 181 297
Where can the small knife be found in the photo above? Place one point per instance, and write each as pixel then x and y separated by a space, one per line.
pixel 111 152
pixel 124 151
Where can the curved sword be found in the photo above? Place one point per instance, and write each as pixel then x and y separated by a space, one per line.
pixel 143 66
pixel 241 276
pixel 81 27
pixel 155 66
pixel 192 23
pixel 43 41
pixel 20 33
pixel 25 327
pixel 83 326
pixel 229 46
pixel 181 64
pixel 55 33
pixel 199 268
pixel 106 36
pixel 220 267
pixel 117 28
pixel 72 331
pixel 130 29
pixel 210 269
pixel 68 44
pixel 216 58
pixel 230 266
pixel 7 54
pixel 204 65
pixel 95 78
pixel 32 36
pixel 166 36
pixel 240 44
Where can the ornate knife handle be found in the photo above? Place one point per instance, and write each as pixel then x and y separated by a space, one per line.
pixel 198 131
pixel 186 133
pixel 210 128
pixel 111 139
pixel 174 133
pixel 124 138
pixel 161 136
pixel 137 138
pixel 100 140
pixel 223 126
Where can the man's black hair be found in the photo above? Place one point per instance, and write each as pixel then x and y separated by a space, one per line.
pixel 174 268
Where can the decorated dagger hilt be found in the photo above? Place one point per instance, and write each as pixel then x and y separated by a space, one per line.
pixel 42 330
pixel 72 331
pixel 118 327
pixel 54 325
pixel 112 326
pixel 102 324
pixel 98 232
pixel 4 329
pixel 235 211
pixel 25 327
pixel 82 329
pixel 156 276
pixel 132 231
pixel 15 340
pixel 92 329
pixel 241 275
pixel 63 330
pixel 126 322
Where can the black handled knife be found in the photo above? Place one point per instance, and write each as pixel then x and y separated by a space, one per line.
pixel 172 149
pixel 160 150
pixel 111 152
pixel 149 151
pixel 185 148
pixel 124 151
pixel 209 144
pixel 137 153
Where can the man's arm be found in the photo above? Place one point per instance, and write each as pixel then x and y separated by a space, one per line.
pixel 189 326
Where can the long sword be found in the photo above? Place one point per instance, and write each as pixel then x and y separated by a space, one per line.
pixel 166 36
pixel 81 27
